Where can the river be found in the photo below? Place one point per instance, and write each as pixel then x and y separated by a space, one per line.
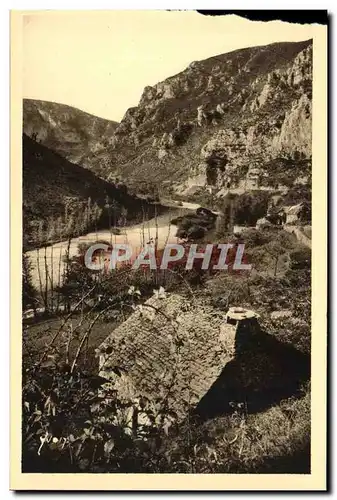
pixel 49 261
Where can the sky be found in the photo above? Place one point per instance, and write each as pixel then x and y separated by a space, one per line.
pixel 100 61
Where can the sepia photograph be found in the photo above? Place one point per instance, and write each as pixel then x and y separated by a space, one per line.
pixel 172 204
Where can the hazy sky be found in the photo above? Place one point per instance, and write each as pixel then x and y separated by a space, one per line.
pixel 100 61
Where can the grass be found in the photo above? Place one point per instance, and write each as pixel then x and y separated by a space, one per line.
pixel 276 440
pixel 37 336
pixel 272 438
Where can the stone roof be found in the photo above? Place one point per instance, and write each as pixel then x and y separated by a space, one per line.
pixel 170 347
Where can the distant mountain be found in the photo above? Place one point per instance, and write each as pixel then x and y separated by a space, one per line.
pixel 77 136
pixel 61 199
pixel 209 124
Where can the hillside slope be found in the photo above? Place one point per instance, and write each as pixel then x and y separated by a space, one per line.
pixel 74 134
pixel 61 199
pixel 219 117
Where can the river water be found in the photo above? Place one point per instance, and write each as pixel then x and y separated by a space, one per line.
pixel 50 261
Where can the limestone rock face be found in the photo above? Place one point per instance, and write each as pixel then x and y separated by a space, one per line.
pixel 295 133
pixel 301 69
pixel 75 135
pixel 219 117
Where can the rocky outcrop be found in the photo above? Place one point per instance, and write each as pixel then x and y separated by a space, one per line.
pixel 77 136
pixel 295 133
pixel 212 122
pixel 301 69
pixel 207 126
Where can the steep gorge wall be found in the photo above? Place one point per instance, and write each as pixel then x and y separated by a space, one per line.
pixel 218 118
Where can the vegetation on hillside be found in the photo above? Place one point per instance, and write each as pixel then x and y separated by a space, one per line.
pixel 75 135
pixel 73 423
pixel 62 200
pixel 221 118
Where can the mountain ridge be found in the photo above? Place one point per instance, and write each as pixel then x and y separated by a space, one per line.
pixel 205 127
pixel 74 134
pixel 258 91
pixel 62 199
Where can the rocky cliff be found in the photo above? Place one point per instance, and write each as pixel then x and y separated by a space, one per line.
pixel 77 136
pixel 218 121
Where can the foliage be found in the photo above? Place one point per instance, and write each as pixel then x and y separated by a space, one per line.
pixel 256 237
pixel 201 196
pixel 74 421
pixel 300 259
pixel 297 194
pixel 266 293
pixel 283 171
pixel 71 422
pixel 245 209
pixel 62 200
pixel 194 226
pixel 29 294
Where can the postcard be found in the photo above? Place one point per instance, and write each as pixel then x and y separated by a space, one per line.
pixel 168 284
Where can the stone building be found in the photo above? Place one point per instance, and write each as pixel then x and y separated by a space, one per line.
pixel 173 350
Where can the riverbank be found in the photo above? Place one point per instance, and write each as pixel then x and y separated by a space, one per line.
pixel 48 263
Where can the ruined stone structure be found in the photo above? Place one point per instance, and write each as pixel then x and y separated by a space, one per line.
pixel 166 350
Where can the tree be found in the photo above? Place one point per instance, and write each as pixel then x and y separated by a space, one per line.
pixel 29 294
pixel 275 250
pixel 284 170
pixel 221 225
pixel 249 207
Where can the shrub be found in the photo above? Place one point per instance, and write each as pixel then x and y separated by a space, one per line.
pixel 255 237
pixel 300 259
pixel 247 208
pixel 29 294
